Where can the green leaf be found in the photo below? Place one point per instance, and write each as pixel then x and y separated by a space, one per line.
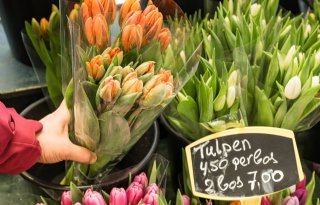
pixel 54 88
pixel 106 196
pixel 125 103
pixel 294 114
pixel 114 140
pixel 272 74
pixel 131 56
pixel 189 108
pixel 310 189
pixel 76 194
pixel 179 199
pixel 264 114
pixel 205 101
pixel 90 90
pixel 281 112
pixel 153 174
pixel 43 200
pixel 152 52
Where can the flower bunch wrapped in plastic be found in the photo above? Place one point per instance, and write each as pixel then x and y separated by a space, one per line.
pixel 121 85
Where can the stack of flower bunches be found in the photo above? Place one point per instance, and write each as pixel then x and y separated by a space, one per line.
pixel 276 61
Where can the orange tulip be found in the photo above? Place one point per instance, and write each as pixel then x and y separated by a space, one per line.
pixel 110 9
pixel 165 76
pixel 97 32
pixel 110 53
pixel 43 27
pixel 145 68
pixel 127 6
pixel 153 24
pixel 164 38
pixel 110 89
pixel 91 8
pixel 131 37
pixel 73 16
pixel 131 84
pixel 126 70
pixel 134 17
pixel 95 68
pixel 235 203
pixel 149 8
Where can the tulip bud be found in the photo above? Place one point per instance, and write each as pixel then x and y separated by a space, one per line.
pixel 165 76
pixel 111 53
pixel 265 201
pixel 141 179
pixel 95 68
pixel 152 188
pixel 255 9
pixel 183 56
pixel 43 27
pixel 151 199
pixel 156 95
pixel 66 198
pixel 231 96
pixel 115 70
pixel 293 88
pixel 307 31
pixel 126 70
pixel 118 197
pixel 186 200
pixel 96 8
pixel 219 102
pixel 289 57
pixel 134 17
pixel 145 68
pixel 164 38
pixel 77 203
pixel 134 193
pixel 127 6
pixel 35 27
pixel 131 37
pixel 302 184
pixel 110 89
pixel 315 81
pixel 93 198
pixel 301 194
pixel 96 31
pixel 40 204
pixel 73 16
pixel 227 22
pixel 210 203
pixel 132 86
pixel 85 11
pixel 149 8
pixel 232 80
pixel 235 203
pixel 110 9
pixel 152 27
pixel 290 201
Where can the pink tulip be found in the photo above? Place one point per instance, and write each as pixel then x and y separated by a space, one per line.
pixel 290 200
pixel 210 203
pixel 186 200
pixel 77 203
pixel 152 188
pixel 134 193
pixel 141 179
pixel 40 204
pixel 265 201
pixel 150 199
pixel 93 198
pixel 301 184
pixel 66 198
pixel 118 196
pixel 301 194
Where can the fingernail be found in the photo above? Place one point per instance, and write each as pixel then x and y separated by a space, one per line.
pixel 93 158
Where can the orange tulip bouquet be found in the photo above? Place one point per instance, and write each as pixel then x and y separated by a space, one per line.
pixel 121 83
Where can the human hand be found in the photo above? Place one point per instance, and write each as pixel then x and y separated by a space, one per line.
pixel 54 140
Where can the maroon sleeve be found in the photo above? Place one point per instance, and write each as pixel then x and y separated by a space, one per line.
pixel 19 148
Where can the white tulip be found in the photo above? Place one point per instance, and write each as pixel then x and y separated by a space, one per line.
pixel 183 56
pixel 219 103
pixel 289 57
pixel 317 58
pixel 315 81
pixel 255 9
pixel 231 96
pixel 293 88
pixel 232 80
pixel 307 31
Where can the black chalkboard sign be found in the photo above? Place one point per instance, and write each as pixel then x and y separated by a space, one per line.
pixel 244 162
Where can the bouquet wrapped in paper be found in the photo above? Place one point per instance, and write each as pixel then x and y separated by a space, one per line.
pixel 119 86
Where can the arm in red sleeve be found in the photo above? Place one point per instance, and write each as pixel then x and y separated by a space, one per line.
pixel 19 148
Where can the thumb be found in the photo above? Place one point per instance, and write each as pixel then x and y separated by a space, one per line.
pixel 81 154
